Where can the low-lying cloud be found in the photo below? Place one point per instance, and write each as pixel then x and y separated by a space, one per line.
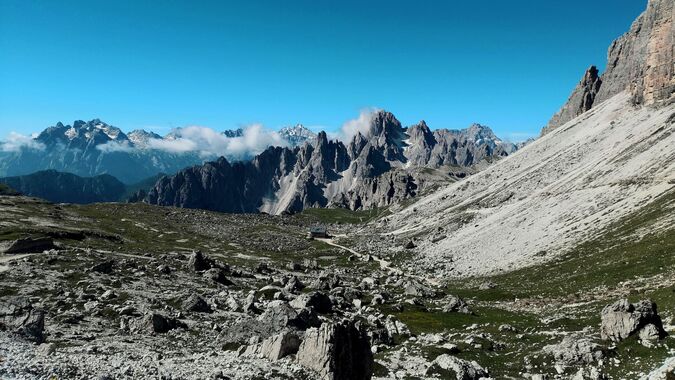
pixel 114 146
pixel 16 141
pixel 208 142
pixel 361 124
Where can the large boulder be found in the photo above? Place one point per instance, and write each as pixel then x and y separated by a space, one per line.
pixel 217 275
pixel 316 300
pixel 160 324
pixel 414 288
pixel 279 315
pixel 448 366
pixel 19 316
pixel 275 347
pixel 455 304
pixel 196 303
pixel 326 281
pixel 623 319
pixel 575 350
pixel 32 325
pixel 105 267
pixel 337 351
pixel 199 262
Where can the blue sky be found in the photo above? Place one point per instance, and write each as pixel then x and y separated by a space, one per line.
pixel 224 64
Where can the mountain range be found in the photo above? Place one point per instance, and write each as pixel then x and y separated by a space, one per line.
pixel 93 148
pixel 381 165
pixel 62 187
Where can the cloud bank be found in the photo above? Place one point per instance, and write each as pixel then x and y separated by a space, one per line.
pixel 16 141
pixel 361 124
pixel 208 142
pixel 114 146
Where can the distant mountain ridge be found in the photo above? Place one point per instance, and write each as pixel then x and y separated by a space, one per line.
pixel 377 167
pixel 95 147
pixel 66 187
pixel 62 187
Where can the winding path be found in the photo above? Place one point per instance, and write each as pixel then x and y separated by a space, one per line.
pixel 384 264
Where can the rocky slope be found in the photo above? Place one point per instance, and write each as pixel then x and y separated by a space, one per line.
pixel 568 185
pixel 385 164
pixel 640 62
pixel 67 188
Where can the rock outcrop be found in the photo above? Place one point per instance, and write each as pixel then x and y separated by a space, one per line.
pixel 275 347
pixel 623 319
pixel 580 101
pixel 640 61
pixel 448 367
pixel 337 351
pixel 575 350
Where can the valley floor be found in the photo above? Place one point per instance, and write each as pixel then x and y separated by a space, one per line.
pixel 115 265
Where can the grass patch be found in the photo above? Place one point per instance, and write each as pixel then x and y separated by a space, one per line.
pixel 344 216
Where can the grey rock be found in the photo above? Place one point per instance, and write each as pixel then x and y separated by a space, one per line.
pixel 326 281
pixel 623 319
pixel 275 347
pixel 574 350
pixel 414 288
pixel 105 267
pixel 337 351
pixel 108 295
pixel 455 304
pixel 316 300
pixel 218 276
pixel 196 303
pixel 32 325
pixel 279 315
pixel 160 324
pixel 199 262
pixel 649 334
pixel 449 366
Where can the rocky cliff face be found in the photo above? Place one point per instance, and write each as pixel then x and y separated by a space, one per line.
pixel 640 61
pixel 580 101
pixel 379 166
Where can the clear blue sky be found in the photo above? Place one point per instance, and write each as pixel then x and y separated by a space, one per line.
pixel 222 64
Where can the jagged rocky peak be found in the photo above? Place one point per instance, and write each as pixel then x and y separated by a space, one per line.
pixel 640 62
pixel 83 132
pixel 386 132
pixel 296 135
pixel 140 137
pixel 479 134
pixel 580 101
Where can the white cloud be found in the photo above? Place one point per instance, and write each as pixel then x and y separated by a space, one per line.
pixel 360 124
pixel 114 146
pixel 208 142
pixel 16 141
